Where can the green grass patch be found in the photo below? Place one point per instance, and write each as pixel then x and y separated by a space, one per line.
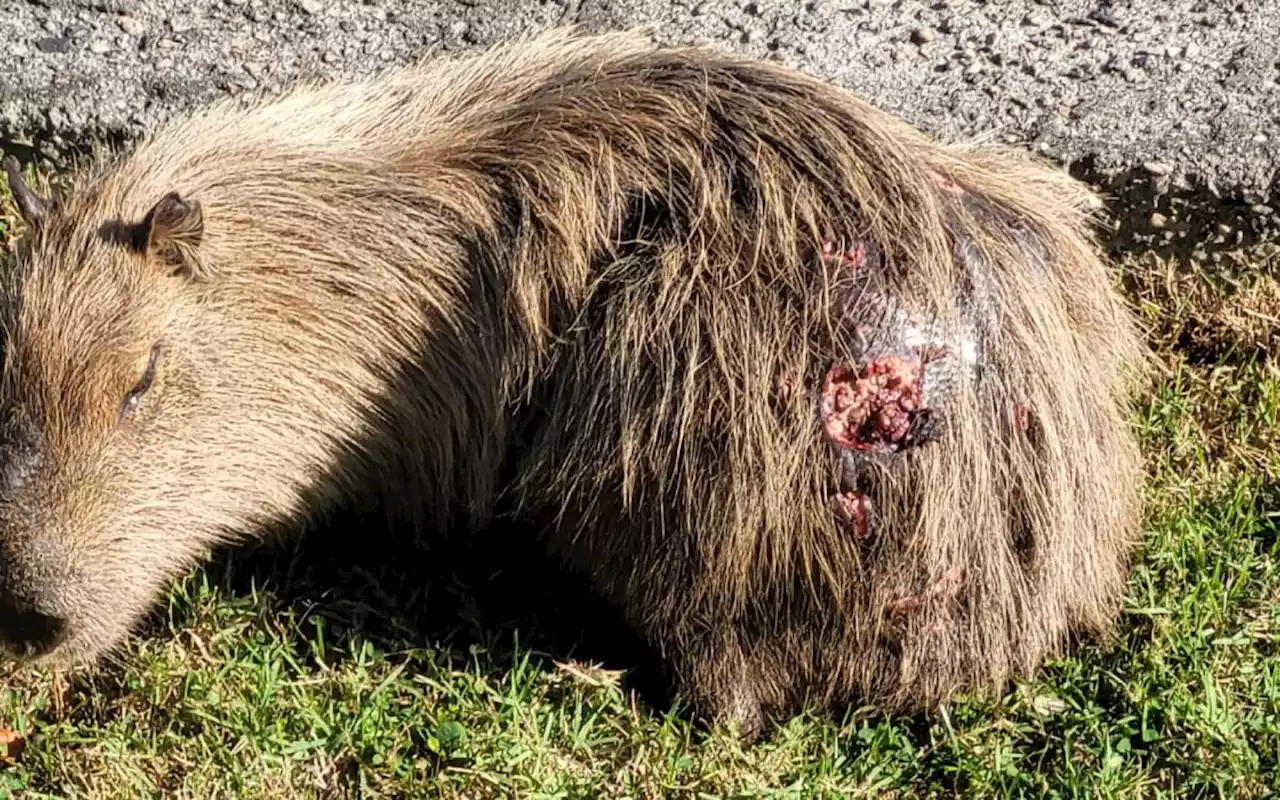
pixel 251 689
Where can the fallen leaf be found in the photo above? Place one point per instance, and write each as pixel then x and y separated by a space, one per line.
pixel 12 744
pixel 1047 705
pixel 591 674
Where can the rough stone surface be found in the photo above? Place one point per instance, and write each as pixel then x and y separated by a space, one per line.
pixel 1171 93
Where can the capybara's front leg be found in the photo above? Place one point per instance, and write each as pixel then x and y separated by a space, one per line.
pixel 716 678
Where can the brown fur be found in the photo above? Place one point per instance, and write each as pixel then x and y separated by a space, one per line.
pixel 577 283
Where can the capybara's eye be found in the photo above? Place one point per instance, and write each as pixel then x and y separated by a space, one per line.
pixel 144 383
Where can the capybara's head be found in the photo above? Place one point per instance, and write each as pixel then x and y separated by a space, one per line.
pixel 96 405
pixel 138 417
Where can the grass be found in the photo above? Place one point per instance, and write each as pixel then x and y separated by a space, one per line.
pixel 316 672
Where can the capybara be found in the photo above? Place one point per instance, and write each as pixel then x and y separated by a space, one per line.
pixel 829 411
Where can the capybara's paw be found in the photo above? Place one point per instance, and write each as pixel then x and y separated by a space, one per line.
pixel 718 684
pixel 736 708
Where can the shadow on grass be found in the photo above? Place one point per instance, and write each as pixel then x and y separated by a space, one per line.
pixel 491 590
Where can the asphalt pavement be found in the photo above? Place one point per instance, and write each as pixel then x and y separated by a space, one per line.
pixel 1163 103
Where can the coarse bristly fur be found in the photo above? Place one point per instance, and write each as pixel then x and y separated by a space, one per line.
pixel 608 292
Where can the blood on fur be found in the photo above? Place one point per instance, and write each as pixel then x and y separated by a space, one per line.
pixel 945 588
pixel 853 510
pixel 1021 416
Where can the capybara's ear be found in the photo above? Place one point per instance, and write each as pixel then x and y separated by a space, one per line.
pixel 33 208
pixel 171 233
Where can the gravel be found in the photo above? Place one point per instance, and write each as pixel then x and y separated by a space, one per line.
pixel 1169 95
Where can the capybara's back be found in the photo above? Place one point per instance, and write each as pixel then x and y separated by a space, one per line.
pixel 831 412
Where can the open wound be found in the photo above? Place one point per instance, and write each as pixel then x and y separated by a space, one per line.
pixel 879 403
pixel 875 407
pixel 888 397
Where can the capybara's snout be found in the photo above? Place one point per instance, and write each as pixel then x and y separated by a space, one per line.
pixel 35 612
pixel 26 631
pixel 65 599
pixel 34 586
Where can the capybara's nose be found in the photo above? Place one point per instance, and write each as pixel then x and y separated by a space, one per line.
pixel 27 632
